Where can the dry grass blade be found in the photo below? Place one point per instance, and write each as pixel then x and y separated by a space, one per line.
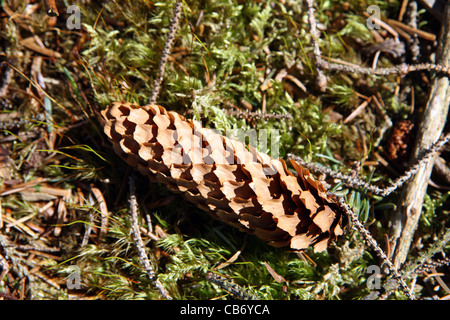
pixel 422 34
pixel 103 210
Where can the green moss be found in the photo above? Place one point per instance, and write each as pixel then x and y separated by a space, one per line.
pixel 225 52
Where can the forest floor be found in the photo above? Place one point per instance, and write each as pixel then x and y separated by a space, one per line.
pixel 65 222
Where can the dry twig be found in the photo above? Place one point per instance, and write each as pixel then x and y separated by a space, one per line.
pixel 357 225
pixel 165 54
pixel 404 222
pixel 321 79
pixel 140 244
pixel 355 182
pixel 401 69
pixel 226 284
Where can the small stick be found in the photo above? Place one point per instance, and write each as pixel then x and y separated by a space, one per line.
pixel 165 54
pixel 355 182
pixel 356 224
pixel 321 79
pixel 140 244
pixel 400 69
pixel 257 115
pixel 226 284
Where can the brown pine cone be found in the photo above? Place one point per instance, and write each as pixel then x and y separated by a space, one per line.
pixel 242 187
pixel 400 141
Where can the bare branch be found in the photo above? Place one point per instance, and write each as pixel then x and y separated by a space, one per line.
pixel 140 244
pixel 321 79
pixel 356 224
pixel 404 222
pixel 354 182
pixel 165 54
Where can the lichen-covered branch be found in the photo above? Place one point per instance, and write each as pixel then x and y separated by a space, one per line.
pixel 404 222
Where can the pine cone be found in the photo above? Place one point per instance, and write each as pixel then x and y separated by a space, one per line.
pixel 240 186
pixel 400 142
